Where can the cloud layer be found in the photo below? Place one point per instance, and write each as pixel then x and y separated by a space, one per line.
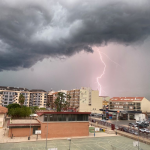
pixel 33 30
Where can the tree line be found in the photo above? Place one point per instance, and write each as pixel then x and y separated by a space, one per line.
pixel 19 110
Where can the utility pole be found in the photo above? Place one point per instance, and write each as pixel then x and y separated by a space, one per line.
pixel 47 133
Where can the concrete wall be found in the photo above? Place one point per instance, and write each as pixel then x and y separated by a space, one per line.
pixel 65 129
pixel 2 117
pixel 145 105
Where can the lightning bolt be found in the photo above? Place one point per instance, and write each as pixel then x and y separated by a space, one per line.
pixel 99 85
pixel 98 78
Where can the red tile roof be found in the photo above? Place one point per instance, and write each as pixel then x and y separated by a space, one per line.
pixel 3 110
pixel 126 99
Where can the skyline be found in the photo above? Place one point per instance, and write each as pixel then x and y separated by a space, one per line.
pixel 53 44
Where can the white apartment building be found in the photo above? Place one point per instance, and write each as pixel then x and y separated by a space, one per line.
pixel 38 98
pixel 9 95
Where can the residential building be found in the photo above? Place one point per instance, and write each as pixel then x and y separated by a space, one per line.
pixel 38 98
pixel 3 112
pixel 75 98
pixel 52 125
pixel 90 101
pixel 52 95
pixel 9 95
pixel 85 100
pixel 128 107
pixel 96 102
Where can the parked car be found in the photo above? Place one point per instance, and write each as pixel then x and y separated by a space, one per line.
pixel 134 125
pixel 125 129
pixel 142 125
pixel 146 121
pixel 131 124
pixel 147 131
pixel 103 120
pixel 138 122
pixel 136 133
pixel 98 115
pixel 131 131
pixel 143 130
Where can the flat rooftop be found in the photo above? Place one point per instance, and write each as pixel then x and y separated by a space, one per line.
pixel 23 122
pixel 40 113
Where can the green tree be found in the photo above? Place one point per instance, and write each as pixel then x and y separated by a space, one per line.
pixel 21 99
pixel 12 106
pixel 34 109
pixel 48 104
pixel 20 112
pixel 60 102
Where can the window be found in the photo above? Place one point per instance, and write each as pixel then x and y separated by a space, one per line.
pixel 65 117
pixel 79 117
pixel 45 117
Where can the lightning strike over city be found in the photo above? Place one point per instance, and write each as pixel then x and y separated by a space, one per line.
pixel 104 69
pixel 103 72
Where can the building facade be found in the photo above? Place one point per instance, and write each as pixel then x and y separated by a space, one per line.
pixel 75 98
pixel 63 124
pixel 38 98
pixel 3 112
pixel 52 125
pixel 90 101
pixel 128 107
pixel 9 95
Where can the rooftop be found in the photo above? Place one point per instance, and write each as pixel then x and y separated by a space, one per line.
pixel 3 110
pixel 13 88
pixel 40 113
pixel 37 90
pixel 23 122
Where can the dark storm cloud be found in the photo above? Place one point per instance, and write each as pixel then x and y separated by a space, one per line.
pixel 33 30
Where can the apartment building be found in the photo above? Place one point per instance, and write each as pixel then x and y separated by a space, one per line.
pixel 75 98
pixel 96 102
pixel 128 107
pixel 38 98
pixel 9 95
pixel 85 99
pixel 90 101
pixel 51 98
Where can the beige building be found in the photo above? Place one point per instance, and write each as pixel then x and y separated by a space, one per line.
pixel 128 107
pixel 3 112
pixel 90 101
pixel 9 95
pixel 38 98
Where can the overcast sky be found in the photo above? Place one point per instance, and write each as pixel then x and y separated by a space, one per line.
pixel 52 44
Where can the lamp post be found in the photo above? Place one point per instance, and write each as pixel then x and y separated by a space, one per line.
pixel 47 131
pixel 69 139
pixel 32 115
